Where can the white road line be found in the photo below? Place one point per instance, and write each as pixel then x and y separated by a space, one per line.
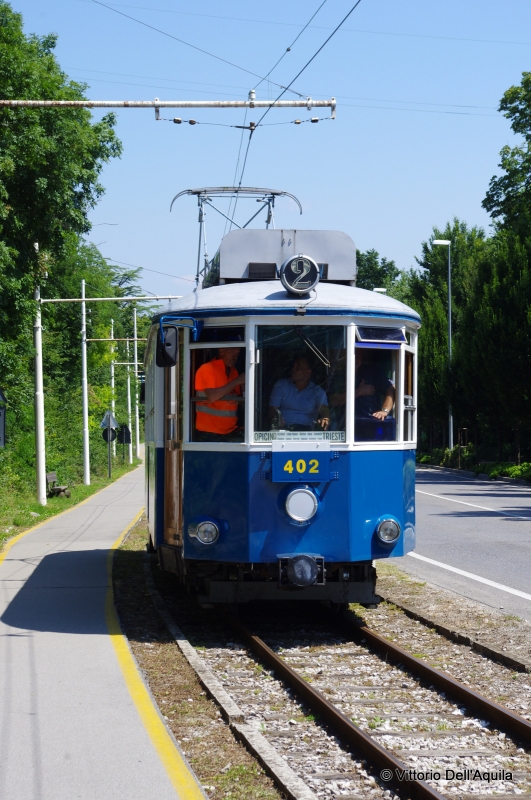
pixel 473 505
pixel 472 576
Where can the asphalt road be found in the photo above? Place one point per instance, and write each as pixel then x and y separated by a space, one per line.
pixel 479 527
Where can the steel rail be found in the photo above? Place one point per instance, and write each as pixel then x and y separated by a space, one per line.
pixel 347 730
pixel 489 710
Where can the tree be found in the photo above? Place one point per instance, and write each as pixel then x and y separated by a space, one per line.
pixel 508 198
pixel 50 160
pixel 374 271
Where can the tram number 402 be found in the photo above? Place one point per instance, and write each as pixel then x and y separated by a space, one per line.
pixel 300 467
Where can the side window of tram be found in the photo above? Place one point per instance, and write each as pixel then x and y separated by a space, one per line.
pixel 375 381
pixel 217 388
pixel 409 408
pixel 300 383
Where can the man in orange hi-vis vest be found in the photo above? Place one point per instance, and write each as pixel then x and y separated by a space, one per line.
pixel 219 384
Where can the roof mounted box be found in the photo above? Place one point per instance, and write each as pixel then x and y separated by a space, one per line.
pixel 258 254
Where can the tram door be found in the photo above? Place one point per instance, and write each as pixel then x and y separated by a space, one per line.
pixel 173 453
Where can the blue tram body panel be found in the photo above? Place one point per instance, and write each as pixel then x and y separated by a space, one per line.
pixel 236 491
pixel 224 501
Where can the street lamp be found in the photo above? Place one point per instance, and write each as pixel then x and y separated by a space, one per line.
pixel 448 243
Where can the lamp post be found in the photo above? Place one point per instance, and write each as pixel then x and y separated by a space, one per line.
pixel 448 243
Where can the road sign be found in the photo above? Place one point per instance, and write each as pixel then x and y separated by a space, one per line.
pixel 109 421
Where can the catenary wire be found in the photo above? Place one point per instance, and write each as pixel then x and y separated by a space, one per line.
pixel 229 86
pixel 193 46
pixel 321 27
pixel 356 4
pixel 288 49
pixel 338 97
pixel 269 73
pixel 236 172
pixel 293 81
pixel 156 271
pixel 346 105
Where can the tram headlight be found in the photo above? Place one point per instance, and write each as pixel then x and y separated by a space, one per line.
pixel 207 532
pixel 388 531
pixel 301 505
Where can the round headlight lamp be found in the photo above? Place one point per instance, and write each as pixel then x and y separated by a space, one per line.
pixel 207 532
pixel 388 531
pixel 301 505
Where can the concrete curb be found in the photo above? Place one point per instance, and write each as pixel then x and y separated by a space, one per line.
pixel 467 473
pixel 272 762
pixel 462 638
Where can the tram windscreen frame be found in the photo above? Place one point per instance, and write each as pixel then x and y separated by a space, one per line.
pixel 300 383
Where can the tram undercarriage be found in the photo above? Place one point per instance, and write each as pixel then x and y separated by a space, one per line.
pixel 294 577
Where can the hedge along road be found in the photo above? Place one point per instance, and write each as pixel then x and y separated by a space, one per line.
pixel 481 528
pixel 76 720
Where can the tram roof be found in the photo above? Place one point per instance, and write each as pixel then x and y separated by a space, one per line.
pixel 262 298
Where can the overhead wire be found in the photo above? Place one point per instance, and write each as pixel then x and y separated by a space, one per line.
pixel 320 27
pixel 283 92
pixel 188 44
pixel 236 171
pixel 269 73
pixel 288 49
pixel 260 121
pixel 338 97
pixel 146 269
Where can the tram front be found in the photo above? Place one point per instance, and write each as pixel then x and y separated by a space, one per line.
pixel 281 425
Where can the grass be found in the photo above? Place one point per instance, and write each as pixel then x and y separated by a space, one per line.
pixel 20 511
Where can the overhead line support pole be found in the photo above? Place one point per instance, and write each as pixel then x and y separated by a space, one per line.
pixel 137 418
pixel 84 388
pixel 40 449
pixel 113 401
pixel 129 405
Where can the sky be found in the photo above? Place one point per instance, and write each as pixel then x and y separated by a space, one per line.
pixel 415 142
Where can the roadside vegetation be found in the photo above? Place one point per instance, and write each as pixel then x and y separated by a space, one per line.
pixel 488 383
pixel 50 166
pixel 50 163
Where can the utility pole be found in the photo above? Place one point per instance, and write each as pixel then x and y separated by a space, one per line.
pixel 84 388
pixel 113 402
pixel 40 448
pixel 137 420
pixel 129 406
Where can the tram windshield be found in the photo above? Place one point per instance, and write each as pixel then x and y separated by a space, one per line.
pixel 301 383
pixel 374 393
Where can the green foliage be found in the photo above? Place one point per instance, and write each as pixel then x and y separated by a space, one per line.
pixel 50 162
pixel 508 199
pixel 374 271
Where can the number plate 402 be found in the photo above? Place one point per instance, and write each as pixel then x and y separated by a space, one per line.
pixel 300 467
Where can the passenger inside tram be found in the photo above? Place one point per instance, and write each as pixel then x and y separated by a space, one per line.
pixel 374 395
pixel 298 370
pixel 218 390
pixel 297 403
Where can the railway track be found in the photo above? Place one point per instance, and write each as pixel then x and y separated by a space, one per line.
pixel 354 715
pixel 471 719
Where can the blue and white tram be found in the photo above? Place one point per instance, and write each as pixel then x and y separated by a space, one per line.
pixel 279 498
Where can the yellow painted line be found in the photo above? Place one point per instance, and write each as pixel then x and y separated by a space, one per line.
pixel 184 782
pixel 9 544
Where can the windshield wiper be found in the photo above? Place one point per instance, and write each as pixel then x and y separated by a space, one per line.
pixel 312 347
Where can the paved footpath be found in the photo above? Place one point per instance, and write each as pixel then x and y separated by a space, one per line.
pixel 75 719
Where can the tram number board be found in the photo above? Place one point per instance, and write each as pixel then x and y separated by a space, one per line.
pixel 297 467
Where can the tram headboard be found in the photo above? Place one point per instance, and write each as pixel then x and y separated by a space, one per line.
pixel 252 254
